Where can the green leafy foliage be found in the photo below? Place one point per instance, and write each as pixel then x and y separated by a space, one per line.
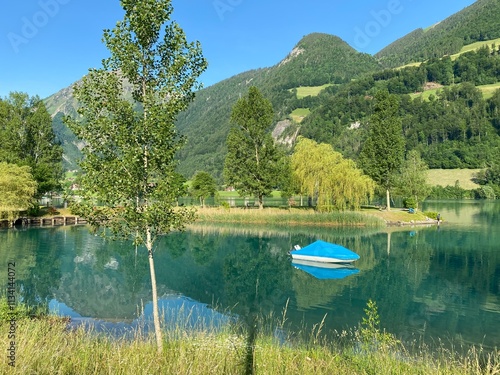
pixel 383 150
pixel 449 192
pixel 17 190
pixel 371 335
pixel 412 181
pixel 27 138
pixel 252 164
pixel 319 171
pixel 203 186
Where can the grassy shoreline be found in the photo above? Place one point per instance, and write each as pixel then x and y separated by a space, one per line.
pixel 45 346
pixel 308 217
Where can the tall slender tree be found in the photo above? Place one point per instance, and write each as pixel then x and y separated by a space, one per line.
pixel 413 179
pixel 128 160
pixel 254 162
pixel 383 151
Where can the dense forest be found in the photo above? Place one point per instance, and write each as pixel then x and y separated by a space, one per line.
pixel 27 139
pixel 454 128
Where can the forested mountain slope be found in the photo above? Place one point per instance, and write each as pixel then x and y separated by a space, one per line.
pixel 478 22
pixel 455 127
pixel 316 60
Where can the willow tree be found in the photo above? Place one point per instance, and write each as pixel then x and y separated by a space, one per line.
pixel 323 173
pixel 128 164
pixel 382 153
pixel 17 190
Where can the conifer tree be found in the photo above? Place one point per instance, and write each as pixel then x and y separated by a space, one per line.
pixel 254 162
pixel 383 151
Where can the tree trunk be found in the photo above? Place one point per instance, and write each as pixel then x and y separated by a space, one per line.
pixel 261 202
pixel 388 243
pixel 388 200
pixel 156 315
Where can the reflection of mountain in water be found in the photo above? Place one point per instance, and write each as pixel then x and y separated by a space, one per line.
pixel 180 314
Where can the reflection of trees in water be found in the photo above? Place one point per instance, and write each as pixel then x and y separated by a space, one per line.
pixel 37 261
pixel 431 280
pixel 489 216
pixel 452 285
pixel 103 279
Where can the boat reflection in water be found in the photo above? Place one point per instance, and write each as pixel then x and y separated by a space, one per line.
pixel 325 271
pixel 324 260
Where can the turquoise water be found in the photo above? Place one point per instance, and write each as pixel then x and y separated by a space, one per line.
pixel 429 282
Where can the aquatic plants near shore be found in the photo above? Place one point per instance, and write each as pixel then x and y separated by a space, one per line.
pixel 291 217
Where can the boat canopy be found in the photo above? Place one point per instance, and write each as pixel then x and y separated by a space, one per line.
pixel 325 249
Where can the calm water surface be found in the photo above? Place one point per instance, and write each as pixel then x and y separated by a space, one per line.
pixel 429 283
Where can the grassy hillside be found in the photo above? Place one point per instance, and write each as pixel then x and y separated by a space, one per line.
pixel 487 90
pixel 448 177
pixel 467 48
pixel 302 92
pixel 477 45
pixel 476 23
pixel 300 114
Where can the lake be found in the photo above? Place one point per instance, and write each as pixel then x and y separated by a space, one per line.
pixel 430 283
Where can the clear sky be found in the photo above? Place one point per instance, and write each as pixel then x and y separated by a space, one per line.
pixel 46 45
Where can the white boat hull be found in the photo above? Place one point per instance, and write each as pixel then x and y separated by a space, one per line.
pixel 325 265
pixel 312 258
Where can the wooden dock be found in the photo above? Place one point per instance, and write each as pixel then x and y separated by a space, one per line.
pixel 50 221
pixel 56 220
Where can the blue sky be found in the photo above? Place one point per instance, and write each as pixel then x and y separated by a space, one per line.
pixel 46 45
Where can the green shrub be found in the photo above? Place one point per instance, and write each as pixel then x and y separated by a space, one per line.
pixel 432 215
pixel 370 332
pixel 19 311
pixel 410 203
pixel 484 192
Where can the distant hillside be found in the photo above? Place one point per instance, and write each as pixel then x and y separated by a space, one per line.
pixel 475 23
pixel 318 59
pixel 324 88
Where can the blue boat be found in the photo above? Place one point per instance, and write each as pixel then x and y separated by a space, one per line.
pixel 325 252
pixel 325 271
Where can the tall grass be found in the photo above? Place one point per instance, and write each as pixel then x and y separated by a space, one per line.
pixel 282 217
pixel 46 346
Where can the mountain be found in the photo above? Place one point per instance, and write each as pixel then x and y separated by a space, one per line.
pixel 478 22
pixel 318 59
pixel 323 88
